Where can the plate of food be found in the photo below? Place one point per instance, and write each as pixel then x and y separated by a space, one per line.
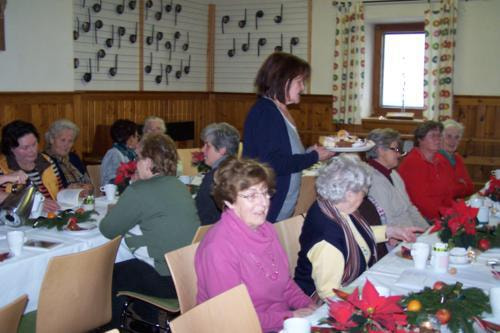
pixel 343 142
pixel 83 228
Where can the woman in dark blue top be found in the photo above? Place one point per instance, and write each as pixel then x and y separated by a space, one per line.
pixel 270 133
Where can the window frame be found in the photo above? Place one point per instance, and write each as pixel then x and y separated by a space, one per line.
pixel 380 31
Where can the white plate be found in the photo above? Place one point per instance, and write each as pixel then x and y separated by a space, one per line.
pixel 367 146
pixel 88 228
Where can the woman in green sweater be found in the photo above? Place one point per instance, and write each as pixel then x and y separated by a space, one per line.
pixel 156 214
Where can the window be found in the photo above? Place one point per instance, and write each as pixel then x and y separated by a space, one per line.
pixel 398 68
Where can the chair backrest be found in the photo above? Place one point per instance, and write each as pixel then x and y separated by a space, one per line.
pixel 181 265
pixel 11 314
pixel 200 233
pixel 75 295
pixel 95 177
pixel 231 311
pixel 289 232
pixel 185 155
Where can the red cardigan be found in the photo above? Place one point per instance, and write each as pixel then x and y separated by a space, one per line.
pixel 429 184
pixel 463 186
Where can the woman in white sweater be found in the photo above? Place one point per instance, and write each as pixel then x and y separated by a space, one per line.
pixel 388 189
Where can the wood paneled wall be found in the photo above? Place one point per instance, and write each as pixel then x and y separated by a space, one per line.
pixel 480 115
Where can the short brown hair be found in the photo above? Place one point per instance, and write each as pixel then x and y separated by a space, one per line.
pixel 424 128
pixel 277 72
pixel 160 148
pixel 235 175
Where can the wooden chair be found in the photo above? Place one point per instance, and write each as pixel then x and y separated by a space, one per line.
pixel 75 295
pixel 11 314
pixel 95 177
pixel 231 311
pixel 181 265
pixel 289 232
pixel 200 233
pixel 185 156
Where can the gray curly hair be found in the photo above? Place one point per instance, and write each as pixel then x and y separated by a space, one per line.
pixel 344 173
pixel 383 137
pixel 58 126
pixel 222 135
pixel 452 123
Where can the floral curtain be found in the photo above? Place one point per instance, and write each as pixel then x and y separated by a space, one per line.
pixel 349 61
pixel 440 31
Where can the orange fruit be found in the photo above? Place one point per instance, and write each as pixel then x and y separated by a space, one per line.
pixel 51 215
pixel 414 305
pixel 443 315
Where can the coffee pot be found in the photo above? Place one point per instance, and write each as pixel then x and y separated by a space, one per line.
pixel 16 208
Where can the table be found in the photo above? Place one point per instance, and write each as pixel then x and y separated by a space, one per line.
pixel 388 272
pixel 24 274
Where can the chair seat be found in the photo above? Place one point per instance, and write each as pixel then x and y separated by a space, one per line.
pixel 28 323
pixel 166 304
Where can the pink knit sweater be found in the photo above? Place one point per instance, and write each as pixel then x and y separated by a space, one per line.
pixel 231 253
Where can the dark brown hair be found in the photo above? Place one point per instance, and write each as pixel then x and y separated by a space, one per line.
pixel 424 128
pixel 160 148
pixel 235 175
pixel 122 130
pixel 13 131
pixel 277 72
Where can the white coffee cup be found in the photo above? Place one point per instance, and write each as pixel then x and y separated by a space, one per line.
pixel 15 239
pixel 296 325
pixel 496 173
pixel 420 253
pixel 37 208
pixel 495 301
pixel 110 191
pixel 483 214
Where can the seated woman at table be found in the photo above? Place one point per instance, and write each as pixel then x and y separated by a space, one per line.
pixel 20 152
pixel 452 134
pixel 221 140
pixel 59 141
pixel 337 244
pixel 125 139
pixel 16 177
pixel 425 172
pixel 244 248
pixel 154 124
pixel 387 188
pixel 156 214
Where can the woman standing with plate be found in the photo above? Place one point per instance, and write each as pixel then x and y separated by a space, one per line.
pixel 270 132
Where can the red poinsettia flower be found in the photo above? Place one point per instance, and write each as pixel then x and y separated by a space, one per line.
pixel 342 313
pixel 197 157
pixel 125 171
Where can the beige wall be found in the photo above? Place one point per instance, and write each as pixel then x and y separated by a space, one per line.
pixel 40 51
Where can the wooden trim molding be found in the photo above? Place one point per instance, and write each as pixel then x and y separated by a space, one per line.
pixel 3 4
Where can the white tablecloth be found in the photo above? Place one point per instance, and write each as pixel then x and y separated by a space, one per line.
pixel 24 274
pixel 397 274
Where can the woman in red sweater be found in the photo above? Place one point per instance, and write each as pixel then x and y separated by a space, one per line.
pixel 425 173
pixel 452 134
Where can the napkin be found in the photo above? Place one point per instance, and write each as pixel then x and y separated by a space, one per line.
pixel 415 279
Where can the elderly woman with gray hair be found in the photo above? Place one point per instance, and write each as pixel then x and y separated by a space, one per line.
pixel 387 188
pixel 452 134
pixel 337 242
pixel 59 141
pixel 221 140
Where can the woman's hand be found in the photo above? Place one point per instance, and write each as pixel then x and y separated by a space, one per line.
pixel 407 234
pixel 304 312
pixel 50 205
pixel 323 153
pixel 17 177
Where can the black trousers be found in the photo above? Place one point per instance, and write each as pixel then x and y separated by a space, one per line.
pixel 137 276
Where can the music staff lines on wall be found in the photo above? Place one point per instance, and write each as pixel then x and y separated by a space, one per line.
pixel 106 52
pixel 245 34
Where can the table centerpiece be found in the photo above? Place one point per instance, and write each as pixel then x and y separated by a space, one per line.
pixel 68 219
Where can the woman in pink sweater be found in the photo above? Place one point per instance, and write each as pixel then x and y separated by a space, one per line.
pixel 244 248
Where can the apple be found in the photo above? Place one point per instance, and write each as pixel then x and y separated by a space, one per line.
pixel 438 285
pixel 443 315
pixel 483 244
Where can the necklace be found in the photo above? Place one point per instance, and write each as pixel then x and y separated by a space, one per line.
pixel 274 273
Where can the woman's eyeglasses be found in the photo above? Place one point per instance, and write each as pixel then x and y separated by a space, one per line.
pixel 253 196
pixel 397 150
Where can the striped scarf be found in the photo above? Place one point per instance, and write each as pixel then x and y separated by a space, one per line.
pixel 353 259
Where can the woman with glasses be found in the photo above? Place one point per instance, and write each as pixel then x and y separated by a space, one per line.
pixel 125 138
pixel 155 214
pixel 242 247
pixel 426 176
pixel 337 243
pixel 388 189
pixel 452 134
